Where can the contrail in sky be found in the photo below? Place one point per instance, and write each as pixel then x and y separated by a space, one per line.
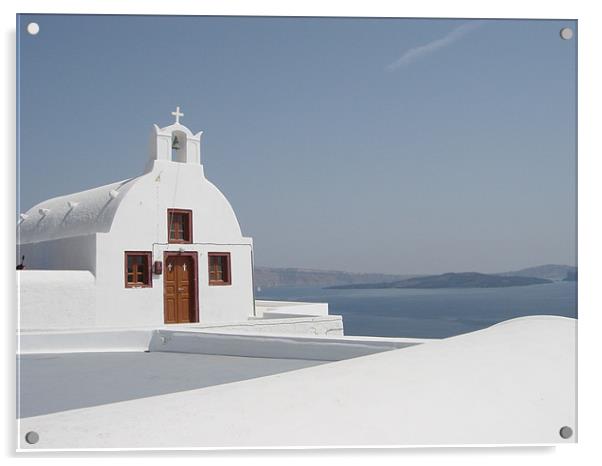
pixel 426 49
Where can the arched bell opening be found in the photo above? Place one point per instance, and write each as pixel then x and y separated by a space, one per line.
pixel 179 145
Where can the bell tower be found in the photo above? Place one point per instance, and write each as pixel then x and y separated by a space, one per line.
pixel 176 143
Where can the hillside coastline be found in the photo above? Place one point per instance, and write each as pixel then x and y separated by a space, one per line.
pixel 274 277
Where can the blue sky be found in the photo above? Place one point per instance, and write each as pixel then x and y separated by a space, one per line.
pixel 377 145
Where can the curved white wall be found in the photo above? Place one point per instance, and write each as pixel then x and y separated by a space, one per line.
pixel 76 214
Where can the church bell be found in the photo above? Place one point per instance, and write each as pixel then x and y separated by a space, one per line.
pixel 175 144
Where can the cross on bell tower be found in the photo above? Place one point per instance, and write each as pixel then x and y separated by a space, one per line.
pixel 175 143
pixel 177 114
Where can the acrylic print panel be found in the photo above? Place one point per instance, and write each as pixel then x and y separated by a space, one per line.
pixel 308 232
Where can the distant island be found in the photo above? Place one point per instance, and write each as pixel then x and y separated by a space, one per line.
pixel 571 276
pixel 294 277
pixel 272 277
pixel 555 272
pixel 451 280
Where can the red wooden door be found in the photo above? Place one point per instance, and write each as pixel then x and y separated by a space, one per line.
pixel 179 290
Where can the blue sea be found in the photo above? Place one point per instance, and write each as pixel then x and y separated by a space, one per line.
pixel 433 313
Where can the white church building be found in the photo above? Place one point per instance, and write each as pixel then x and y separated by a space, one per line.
pixel 162 248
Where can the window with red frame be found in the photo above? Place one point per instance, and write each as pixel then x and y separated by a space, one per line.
pixel 179 225
pixel 138 269
pixel 219 268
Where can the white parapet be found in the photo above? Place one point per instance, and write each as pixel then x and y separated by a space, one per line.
pixel 56 299
pixel 278 324
pixel 276 309
pixel 273 346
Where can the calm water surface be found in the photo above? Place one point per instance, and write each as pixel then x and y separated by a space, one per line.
pixel 433 313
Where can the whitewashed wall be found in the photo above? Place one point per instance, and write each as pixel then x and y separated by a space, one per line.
pixel 75 253
pixel 56 299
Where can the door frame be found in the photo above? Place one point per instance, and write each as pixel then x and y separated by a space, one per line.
pixel 195 272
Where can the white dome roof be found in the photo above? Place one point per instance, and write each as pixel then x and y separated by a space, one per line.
pixel 82 213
